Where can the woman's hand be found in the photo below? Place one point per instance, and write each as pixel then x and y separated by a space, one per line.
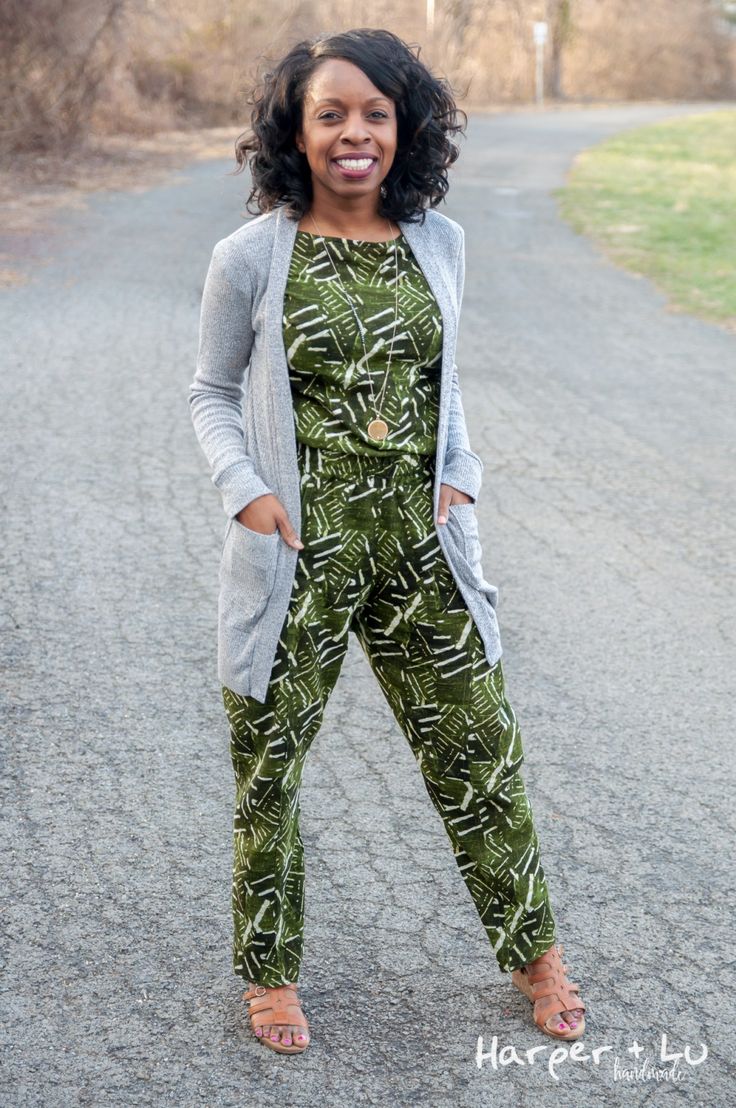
pixel 267 514
pixel 448 496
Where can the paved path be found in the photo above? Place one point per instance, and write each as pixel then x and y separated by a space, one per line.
pixel 606 426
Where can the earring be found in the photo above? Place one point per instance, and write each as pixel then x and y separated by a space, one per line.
pixel 384 191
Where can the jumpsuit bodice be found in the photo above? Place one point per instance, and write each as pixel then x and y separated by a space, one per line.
pixel 329 377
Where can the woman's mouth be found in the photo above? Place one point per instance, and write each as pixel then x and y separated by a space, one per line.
pixel 355 168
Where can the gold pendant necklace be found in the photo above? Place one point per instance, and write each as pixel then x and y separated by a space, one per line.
pixel 377 428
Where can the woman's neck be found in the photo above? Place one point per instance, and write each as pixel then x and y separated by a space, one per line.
pixel 377 230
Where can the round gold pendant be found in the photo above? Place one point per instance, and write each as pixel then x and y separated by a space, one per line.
pixel 377 429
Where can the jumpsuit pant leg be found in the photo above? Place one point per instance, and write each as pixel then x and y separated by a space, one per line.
pixel 372 564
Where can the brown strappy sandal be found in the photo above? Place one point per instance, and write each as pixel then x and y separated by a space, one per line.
pixel 550 992
pixel 276 1005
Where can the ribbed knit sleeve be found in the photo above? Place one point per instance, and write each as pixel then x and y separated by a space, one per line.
pixel 215 396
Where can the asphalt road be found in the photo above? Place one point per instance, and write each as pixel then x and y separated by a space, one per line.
pixel 606 423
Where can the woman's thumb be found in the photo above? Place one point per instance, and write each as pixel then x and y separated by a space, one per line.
pixel 289 535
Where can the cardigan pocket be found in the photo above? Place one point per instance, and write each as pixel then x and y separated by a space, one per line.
pixel 462 522
pixel 247 578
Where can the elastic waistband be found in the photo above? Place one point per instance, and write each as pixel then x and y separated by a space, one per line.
pixel 317 462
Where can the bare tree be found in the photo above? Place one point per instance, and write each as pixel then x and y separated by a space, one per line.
pixel 73 67
pixel 51 71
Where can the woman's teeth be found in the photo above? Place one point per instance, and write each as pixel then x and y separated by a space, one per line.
pixel 355 163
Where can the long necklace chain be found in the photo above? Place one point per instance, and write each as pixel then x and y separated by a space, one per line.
pixel 377 428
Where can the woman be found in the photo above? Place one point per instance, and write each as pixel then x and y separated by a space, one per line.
pixel 350 487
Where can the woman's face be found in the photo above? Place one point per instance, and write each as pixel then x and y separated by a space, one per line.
pixel 345 115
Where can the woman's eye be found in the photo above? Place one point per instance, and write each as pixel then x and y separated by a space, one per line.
pixel 380 114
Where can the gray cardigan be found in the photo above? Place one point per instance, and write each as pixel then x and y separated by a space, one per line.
pixel 242 411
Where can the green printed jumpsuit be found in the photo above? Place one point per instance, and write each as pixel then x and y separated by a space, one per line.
pixel 372 564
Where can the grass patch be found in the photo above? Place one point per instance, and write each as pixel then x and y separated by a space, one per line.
pixel 661 201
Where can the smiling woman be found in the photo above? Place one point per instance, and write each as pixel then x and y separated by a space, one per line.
pixel 327 399
pixel 352 135
pixel 360 94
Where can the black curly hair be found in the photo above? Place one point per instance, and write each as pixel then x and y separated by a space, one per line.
pixel 426 116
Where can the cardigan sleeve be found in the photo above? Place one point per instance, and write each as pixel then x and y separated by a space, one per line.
pixel 462 466
pixel 215 396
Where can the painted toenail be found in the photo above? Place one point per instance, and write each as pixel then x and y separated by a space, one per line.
pixel 259 1032
pixel 560 1026
pixel 301 1036
pixel 573 1025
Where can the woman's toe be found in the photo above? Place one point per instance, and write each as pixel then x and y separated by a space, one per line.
pixel 557 1022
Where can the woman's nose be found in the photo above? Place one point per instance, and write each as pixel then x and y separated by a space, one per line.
pixel 355 131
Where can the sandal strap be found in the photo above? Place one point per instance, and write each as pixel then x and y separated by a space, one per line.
pixel 553 1006
pixel 282 1002
pixel 565 990
pixel 272 990
pixel 551 990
